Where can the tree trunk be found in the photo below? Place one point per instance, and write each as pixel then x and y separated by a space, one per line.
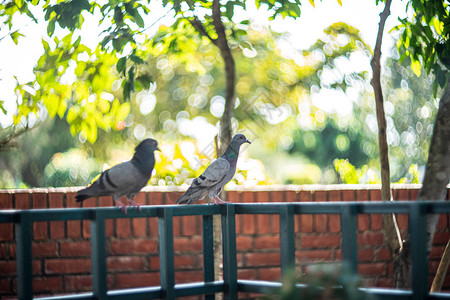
pixel 230 75
pixel 390 229
pixel 434 186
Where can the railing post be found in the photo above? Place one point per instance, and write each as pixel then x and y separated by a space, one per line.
pixel 229 251
pixel 208 251
pixel 166 253
pixel 419 255
pixel 98 255
pixel 349 226
pixel 24 237
pixel 287 239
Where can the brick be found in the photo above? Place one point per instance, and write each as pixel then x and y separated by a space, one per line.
pixel 141 246
pixel 365 255
pixel 373 269
pixel 334 223
pixel 123 228
pixel 400 194
pixel 188 276
pixel 291 196
pixel 88 203
pixel 348 195
pixel 57 228
pixel 362 195
pixel 436 252
pixel 130 280
pixel 39 201
pixel 248 223
pixel 370 238
pixel 73 227
pixel 125 263
pixel 248 197
pixel 78 283
pixel 376 222
pixel 441 238
pixel 402 220
pixel 155 198
pixel 320 222
pixel 414 192
pixel 153 263
pixel 321 241
pixel 270 274
pixel 5 286
pixel 275 223
pixel 8 267
pixel 233 196
pixel 185 261
pixel 4 250
pixel 313 255
pixel 67 266
pixel 375 195
pixel 244 243
pixel 262 197
pixel 6 200
pixel 184 244
pixel 47 284
pixel 44 249
pixel 276 196
pixel 267 242
pixel 322 196
pixel 6 232
pixel 385 282
pixel 246 274
pixel 153 227
pixel 139 226
pixel 383 254
pixel 304 223
pixel 262 259
pixel 442 222
pixel 263 223
pixel 239 220
pixel 22 199
pixel 177 226
pixel 363 222
pixel 75 249
pixel 190 225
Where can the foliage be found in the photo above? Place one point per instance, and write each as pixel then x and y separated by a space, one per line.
pixel 323 281
pixel 426 39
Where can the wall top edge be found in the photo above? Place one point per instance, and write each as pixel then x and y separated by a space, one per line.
pixel 256 188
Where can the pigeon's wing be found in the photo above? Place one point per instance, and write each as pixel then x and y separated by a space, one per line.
pixel 215 172
pixel 213 175
pixel 119 180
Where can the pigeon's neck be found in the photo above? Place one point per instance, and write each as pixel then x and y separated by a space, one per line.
pixel 143 163
pixel 231 154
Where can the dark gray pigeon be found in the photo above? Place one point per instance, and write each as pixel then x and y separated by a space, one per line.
pixel 216 175
pixel 124 179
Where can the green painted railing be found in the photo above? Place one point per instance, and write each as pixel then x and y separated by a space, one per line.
pixel 230 286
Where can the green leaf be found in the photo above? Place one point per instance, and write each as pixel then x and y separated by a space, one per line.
pixel 122 64
pixel 416 67
pixel 2 107
pixel 15 36
pixel 229 9
pixel 51 27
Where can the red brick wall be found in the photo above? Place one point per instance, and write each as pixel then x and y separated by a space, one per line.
pixel 61 249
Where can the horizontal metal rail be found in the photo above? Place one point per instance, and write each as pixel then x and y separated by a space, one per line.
pixel 230 286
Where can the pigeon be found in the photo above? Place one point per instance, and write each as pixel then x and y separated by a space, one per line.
pixel 124 179
pixel 216 175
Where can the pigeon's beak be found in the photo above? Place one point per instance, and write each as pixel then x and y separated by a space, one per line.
pixel 157 148
pixel 247 141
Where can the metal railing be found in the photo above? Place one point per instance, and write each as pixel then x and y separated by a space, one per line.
pixel 230 286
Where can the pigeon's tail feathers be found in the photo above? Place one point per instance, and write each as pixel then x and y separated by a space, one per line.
pixel 84 194
pixel 184 200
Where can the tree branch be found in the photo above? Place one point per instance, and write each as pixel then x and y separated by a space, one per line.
pixel 195 22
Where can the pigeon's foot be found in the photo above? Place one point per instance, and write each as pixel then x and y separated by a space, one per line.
pixel 134 204
pixel 122 206
pixel 217 200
